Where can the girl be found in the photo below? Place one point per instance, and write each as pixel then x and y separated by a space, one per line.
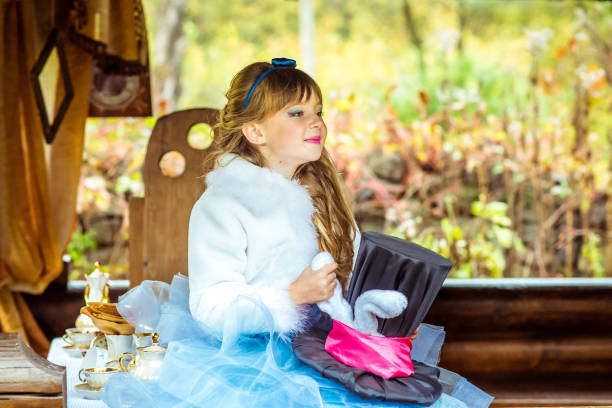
pixel 272 202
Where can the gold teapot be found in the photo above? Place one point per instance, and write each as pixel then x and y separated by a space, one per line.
pixel 147 362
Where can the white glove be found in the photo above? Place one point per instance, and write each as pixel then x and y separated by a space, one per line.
pixel 377 303
pixel 368 306
pixel 336 306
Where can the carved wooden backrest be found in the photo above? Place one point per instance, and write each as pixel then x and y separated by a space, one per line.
pixel 159 222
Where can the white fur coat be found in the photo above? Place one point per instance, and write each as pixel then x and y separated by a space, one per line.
pixel 250 234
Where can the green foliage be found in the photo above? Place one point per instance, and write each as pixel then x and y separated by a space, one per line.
pixel 504 129
pixel 78 248
pixel 111 173
pixel 592 259
pixel 477 248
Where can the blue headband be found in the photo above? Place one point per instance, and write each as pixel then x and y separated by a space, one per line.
pixel 278 63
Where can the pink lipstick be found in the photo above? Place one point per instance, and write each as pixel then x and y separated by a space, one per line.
pixel 314 140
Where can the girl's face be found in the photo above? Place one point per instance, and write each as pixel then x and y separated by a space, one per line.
pixel 293 136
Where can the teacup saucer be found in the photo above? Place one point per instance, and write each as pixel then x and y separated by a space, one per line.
pixel 75 352
pixel 83 390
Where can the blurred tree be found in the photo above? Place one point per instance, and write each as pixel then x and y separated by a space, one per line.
pixel 168 50
pixel 415 38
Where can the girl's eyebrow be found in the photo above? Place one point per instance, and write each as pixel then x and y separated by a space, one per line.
pixel 300 104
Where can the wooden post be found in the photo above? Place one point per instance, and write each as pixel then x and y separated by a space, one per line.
pixel 136 248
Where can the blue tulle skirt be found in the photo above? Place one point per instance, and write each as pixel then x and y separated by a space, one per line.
pixel 205 369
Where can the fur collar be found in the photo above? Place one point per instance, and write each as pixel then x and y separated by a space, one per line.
pixel 259 189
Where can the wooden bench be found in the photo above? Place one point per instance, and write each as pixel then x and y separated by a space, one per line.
pixel 535 345
pixel 26 379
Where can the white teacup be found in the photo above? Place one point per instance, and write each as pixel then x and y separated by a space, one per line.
pixel 96 377
pixel 144 339
pixel 116 344
pixel 80 337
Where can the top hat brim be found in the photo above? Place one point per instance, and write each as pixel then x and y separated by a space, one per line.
pixel 420 388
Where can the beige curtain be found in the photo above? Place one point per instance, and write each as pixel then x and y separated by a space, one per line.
pixel 38 182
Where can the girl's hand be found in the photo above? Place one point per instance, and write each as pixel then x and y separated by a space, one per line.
pixel 314 286
pixel 414 335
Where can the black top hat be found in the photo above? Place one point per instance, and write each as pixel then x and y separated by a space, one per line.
pixel 385 262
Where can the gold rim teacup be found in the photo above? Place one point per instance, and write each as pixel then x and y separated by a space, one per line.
pixel 79 337
pixel 96 377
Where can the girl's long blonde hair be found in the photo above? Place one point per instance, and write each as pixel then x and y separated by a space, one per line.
pixel 332 218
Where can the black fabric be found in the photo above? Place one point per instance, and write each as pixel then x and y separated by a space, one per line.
pixel 385 262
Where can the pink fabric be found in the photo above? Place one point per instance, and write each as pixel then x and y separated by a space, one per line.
pixel 388 357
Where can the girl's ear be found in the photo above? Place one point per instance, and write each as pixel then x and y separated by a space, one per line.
pixel 253 133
